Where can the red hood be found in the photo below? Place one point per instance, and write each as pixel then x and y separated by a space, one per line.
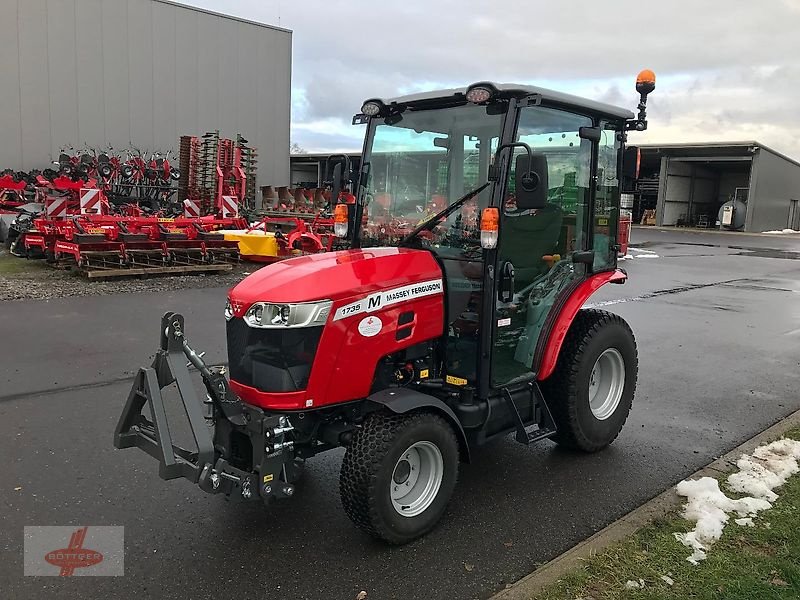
pixel 335 275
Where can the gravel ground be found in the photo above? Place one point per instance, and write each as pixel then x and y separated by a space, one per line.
pixel 34 280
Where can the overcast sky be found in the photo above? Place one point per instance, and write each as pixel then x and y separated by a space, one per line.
pixel 727 69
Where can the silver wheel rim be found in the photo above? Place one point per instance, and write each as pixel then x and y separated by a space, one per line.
pixel 416 479
pixel 606 383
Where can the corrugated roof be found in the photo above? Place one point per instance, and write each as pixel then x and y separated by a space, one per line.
pixel 709 145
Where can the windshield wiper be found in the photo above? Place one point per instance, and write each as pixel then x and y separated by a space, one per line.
pixel 429 224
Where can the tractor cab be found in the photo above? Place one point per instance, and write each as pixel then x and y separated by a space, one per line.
pixel 479 222
pixel 541 169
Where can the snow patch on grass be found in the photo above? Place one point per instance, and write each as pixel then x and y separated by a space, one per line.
pixel 784 231
pixel 759 474
pixel 634 585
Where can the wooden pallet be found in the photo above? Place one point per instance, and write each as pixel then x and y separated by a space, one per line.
pixel 174 270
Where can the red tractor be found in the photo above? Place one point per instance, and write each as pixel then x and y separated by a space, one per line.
pixel 415 344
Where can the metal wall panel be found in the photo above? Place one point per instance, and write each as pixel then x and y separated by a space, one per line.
pixel 10 122
pixel 116 82
pixel 187 89
pixel 89 71
pixel 34 87
pixel 228 76
pixel 62 74
pixel 139 72
pixel 207 48
pixel 246 93
pixel 165 133
pixel 774 184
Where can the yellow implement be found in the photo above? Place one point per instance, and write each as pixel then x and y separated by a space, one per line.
pixel 255 243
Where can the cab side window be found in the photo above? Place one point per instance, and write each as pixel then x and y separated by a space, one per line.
pixel 551 233
pixel 606 200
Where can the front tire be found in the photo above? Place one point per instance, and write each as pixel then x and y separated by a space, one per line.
pixel 590 393
pixel 398 475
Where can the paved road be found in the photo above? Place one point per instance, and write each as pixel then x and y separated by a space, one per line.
pixel 718 330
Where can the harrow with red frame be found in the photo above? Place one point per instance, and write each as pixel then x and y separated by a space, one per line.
pixel 110 245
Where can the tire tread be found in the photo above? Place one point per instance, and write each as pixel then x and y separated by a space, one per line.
pixel 563 383
pixel 358 486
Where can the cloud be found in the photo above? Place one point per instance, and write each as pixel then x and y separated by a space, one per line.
pixel 728 69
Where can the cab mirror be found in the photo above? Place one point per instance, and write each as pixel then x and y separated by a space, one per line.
pixel 530 177
pixel 336 184
pixel 631 160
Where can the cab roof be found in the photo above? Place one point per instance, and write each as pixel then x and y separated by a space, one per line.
pixel 518 90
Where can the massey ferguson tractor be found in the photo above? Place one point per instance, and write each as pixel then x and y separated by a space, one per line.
pixel 450 314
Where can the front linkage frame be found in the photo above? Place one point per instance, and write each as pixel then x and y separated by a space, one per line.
pixel 214 466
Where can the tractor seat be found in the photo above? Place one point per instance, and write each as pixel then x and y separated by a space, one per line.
pixel 530 236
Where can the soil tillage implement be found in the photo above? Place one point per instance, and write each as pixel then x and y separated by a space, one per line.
pixel 420 342
pixel 112 246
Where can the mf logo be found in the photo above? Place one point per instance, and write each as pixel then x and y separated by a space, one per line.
pixel 374 302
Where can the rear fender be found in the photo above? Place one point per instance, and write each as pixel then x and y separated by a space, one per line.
pixel 403 400
pixel 567 314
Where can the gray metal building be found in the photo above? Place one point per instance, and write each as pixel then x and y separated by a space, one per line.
pixel 139 73
pixel 686 184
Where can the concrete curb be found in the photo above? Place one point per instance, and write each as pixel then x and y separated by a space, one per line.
pixel 530 585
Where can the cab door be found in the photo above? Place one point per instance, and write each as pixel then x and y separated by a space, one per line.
pixel 537 246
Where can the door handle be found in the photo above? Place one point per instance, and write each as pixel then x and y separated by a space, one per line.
pixel 506 284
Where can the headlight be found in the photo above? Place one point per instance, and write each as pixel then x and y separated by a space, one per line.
pixel 273 316
pixel 228 309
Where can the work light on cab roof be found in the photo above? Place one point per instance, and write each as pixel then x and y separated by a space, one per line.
pixel 371 108
pixel 480 93
pixel 448 312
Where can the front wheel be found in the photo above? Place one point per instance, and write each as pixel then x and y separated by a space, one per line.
pixel 398 475
pixel 591 390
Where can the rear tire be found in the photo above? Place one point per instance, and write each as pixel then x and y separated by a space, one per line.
pixel 590 393
pixel 398 475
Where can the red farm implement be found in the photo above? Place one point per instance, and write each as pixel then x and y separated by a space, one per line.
pixel 111 246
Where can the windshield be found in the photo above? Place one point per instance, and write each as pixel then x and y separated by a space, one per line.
pixel 420 162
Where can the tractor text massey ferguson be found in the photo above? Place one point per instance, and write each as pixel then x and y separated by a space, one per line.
pixel 484 218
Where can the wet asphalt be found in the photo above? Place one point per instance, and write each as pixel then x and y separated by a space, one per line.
pixel 717 321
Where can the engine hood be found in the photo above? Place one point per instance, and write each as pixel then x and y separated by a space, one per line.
pixel 335 276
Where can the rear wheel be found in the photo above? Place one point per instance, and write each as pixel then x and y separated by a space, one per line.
pixel 591 390
pixel 398 475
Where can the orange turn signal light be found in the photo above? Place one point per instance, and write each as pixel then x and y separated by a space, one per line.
pixel 340 224
pixel 340 213
pixel 490 219
pixel 490 223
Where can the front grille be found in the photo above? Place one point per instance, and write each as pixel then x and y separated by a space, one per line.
pixel 271 360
